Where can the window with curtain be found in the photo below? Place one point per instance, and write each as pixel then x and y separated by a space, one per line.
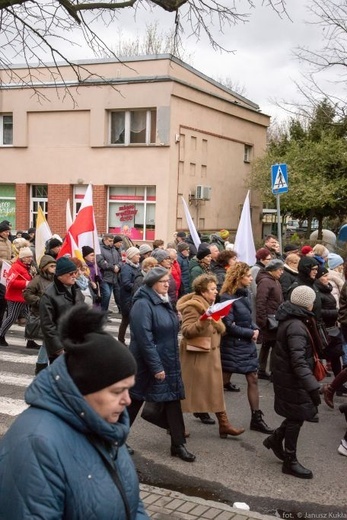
pixel 133 127
pixel 6 130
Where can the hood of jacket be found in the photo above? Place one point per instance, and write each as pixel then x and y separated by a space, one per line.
pixel 287 310
pixel 53 390
pixel 304 267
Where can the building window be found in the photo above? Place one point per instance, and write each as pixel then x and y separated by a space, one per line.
pixel 133 127
pixel 6 130
pixel 247 153
pixel 8 203
pixel 132 211
pixel 39 197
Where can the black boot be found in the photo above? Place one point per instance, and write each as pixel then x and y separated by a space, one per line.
pixel 258 424
pixel 39 367
pixel 32 344
pixel 205 418
pixel 275 443
pixel 291 466
pixel 3 342
pixel 182 452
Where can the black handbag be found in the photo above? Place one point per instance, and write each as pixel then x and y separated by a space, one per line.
pixel 272 323
pixel 155 414
pixel 33 327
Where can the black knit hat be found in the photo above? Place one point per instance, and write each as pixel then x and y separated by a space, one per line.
pixel 203 251
pixel 87 250
pixel 64 266
pixel 54 242
pixel 94 358
pixel 4 227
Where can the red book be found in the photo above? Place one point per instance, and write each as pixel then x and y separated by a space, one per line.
pixel 218 310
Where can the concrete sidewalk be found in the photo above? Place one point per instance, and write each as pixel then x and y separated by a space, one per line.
pixel 163 504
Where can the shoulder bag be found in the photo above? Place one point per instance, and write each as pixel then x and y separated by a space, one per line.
pixel 33 327
pixel 199 344
pixel 154 413
pixel 319 370
pixel 272 323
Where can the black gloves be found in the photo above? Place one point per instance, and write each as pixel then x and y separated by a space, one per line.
pixel 315 397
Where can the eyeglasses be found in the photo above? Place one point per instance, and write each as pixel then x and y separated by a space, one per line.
pixel 163 281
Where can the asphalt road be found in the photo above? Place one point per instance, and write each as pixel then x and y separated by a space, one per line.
pixel 230 470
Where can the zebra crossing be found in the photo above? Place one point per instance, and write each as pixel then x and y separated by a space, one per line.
pixel 17 368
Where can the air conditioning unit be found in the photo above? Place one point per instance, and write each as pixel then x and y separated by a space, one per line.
pixel 203 192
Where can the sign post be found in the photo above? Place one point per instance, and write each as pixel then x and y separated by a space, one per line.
pixel 279 185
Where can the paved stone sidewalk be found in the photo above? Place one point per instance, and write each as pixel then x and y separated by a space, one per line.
pixel 163 504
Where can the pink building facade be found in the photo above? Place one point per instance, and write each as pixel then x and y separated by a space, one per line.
pixel 144 132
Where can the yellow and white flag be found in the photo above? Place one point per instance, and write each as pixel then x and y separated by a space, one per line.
pixel 43 233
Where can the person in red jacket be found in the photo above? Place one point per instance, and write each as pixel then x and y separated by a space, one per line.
pixel 175 269
pixel 20 274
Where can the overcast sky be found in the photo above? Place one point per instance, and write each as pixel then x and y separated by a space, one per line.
pixel 263 62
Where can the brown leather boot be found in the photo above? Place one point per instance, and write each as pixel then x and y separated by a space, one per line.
pixel 225 428
pixel 328 393
pixel 329 390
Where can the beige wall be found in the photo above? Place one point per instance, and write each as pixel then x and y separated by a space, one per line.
pixel 201 133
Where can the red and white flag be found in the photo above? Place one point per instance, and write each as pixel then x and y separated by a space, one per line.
pixel 82 231
pixel 218 310
pixel 6 266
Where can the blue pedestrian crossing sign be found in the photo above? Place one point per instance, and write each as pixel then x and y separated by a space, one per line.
pixel 279 178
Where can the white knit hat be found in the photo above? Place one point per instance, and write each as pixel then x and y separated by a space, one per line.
pixel 303 296
pixel 25 252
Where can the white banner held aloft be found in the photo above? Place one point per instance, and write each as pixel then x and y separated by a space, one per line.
pixel 244 242
pixel 192 229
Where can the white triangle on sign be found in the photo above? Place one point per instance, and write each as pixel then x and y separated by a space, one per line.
pixel 280 181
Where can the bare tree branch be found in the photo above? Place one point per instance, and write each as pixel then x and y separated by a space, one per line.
pixel 32 30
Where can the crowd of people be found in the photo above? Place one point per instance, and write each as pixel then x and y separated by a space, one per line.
pixel 180 358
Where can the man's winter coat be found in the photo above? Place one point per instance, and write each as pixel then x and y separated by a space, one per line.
pixel 106 260
pixel 127 278
pixel 55 302
pixel 238 350
pixel 48 467
pixel 184 265
pixel 293 364
pixel 154 344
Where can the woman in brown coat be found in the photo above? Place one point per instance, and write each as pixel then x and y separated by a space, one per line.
pixel 200 356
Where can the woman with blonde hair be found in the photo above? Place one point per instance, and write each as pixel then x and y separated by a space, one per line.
pixel 200 358
pixel 238 345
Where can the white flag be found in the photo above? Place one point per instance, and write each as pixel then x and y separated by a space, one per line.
pixel 68 214
pixel 244 242
pixel 192 229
